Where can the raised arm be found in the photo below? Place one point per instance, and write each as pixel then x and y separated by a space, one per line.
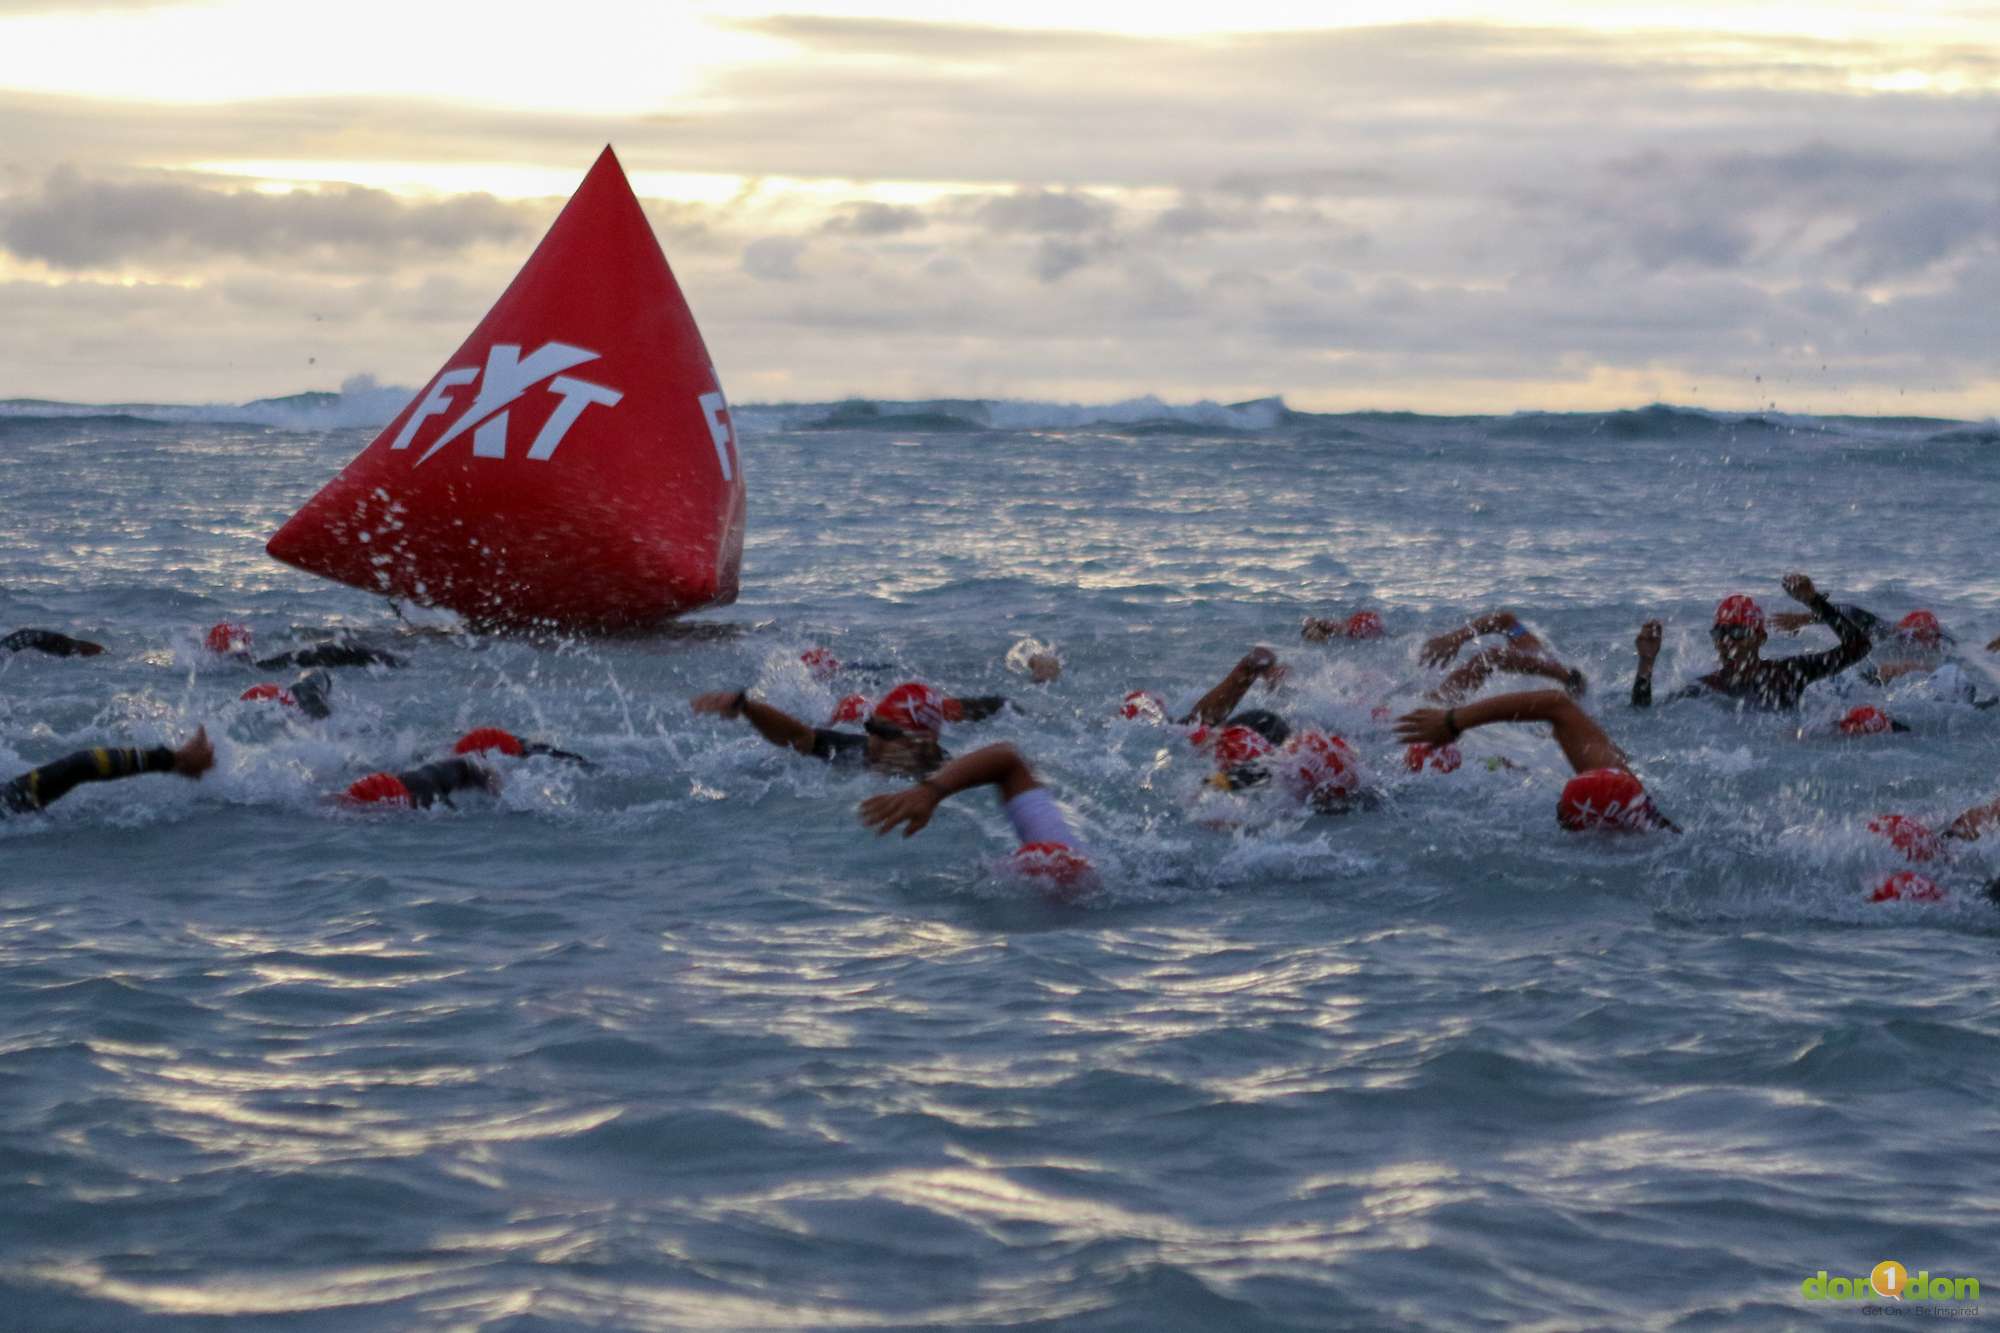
pixel 1648 644
pixel 1221 701
pixel 42 787
pixel 50 642
pixel 1854 640
pixel 996 765
pixel 1583 742
pixel 773 724
pixel 1512 660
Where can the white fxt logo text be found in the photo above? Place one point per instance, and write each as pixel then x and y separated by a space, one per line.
pixel 507 376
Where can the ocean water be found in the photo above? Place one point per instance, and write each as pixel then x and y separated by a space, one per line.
pixel 677 1044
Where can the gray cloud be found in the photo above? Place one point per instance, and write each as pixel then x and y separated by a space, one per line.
pixel 773 258
pixel 867 218
pixel 76 222
pixel 1044 212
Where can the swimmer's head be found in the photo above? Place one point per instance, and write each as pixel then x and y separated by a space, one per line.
pixel 820 662
pixel 1920 629
pixel 1907 886
pixel 1144 706
pixel 269 693
pixel 912 706
pixel 909 753
pixel 1608 798
pixel 1437 758
pixel 1365 625
pixel 1264 722
pixel 1911 837
pixel 851 708
pixel 1738 632
pixel 1866 720
pixel 1058 868
pixel 378 789
pixel 226 637
pixel 1319 770
pixel 482 739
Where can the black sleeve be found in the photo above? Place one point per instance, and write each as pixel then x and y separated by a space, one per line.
pixel 1642 690
pixel 980 707
pixel 42 787
pixel 1854 645
pixel 50 642
pixel 839 747
pixel 332 655
pixel 568 757
pixel 1867 621
pixel 309 692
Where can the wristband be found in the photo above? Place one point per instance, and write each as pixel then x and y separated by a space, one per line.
pixel 736 704
pixel 1451 723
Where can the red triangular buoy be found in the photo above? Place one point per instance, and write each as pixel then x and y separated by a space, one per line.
pixel 574 464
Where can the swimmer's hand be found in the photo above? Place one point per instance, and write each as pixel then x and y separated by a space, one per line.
pixel 1648 642
pixel 1442 648
pixel 1427 726
pixel 1791 622
pixel 196 757
pixel 912 806
pixel 722 703
pixel 1993 647
pixel 1800 588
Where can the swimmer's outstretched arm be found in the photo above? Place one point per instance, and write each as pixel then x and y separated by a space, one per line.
pixel 42 787
pixel 996 765
pixel 1583 742
pixel 773 724
pixel 1854 640
pixel 1791 622
pixel 1443 647
pixel 1514 661
pixel 1970 824
pixel 50 642
pixel 1221 701
pixel 333 653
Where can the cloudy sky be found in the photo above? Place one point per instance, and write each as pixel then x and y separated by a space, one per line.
pixel 1430 205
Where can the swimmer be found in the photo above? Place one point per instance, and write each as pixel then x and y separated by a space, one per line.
pixel 487 740
pixel 233 641
pixel 420 788
pixel 1605 793
pixel 1523 655
pixel 1916 840
pixel 307 694
pixel 1049 849
pixel 50 642
pixel 1915 646
pixel 1360 625
pixel 42 787
pixel 882 744
pixel 1738 635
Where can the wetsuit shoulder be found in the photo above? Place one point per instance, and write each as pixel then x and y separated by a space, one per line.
pixel 437 781
pixel 50 642
pixel 839 747
pixel 332 654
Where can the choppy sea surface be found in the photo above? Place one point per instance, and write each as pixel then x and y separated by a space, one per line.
pixel 676 1044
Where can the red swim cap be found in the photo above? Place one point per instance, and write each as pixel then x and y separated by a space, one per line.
pixel 1144 706
pixel 1739 610
pixel 851 708
pixel 1059 866
pixel 913 707
pixel 1318 767
pixel 1437 758
pixel 259 693
pixel 379 789
pixel 481 739
pixel 953 709
pixel 1239 745
pixel 1906 886
pixel 1364 625
pixel 227 638
pixel 1866 720
pixel 1920 628
pixel 1606 798
pixel 820 662
pixel 1911 837
pixel 1201 735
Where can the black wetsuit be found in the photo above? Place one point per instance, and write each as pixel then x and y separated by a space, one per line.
pixel 333 653
pixel 40 788
pixel 1775 684
pixel 979 707
pixel 50 642
pixel 436 782
pixel 839 747
pixel 309 693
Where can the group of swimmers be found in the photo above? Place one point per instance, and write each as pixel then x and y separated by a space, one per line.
pixel 900 734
